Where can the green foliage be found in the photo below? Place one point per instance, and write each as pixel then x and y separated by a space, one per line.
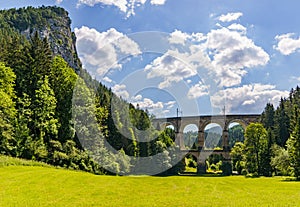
pixel 237 155
pixel 63 80
pixel 44 108
pixel 23 133
pixel 7 109
pixel 226 168
pixel 267 117
pixel 256 144
pixel 215 158
pixel 293 145
pixel 282 124
pixel 280 161
pixel 235 134
pixel 190 162
pixel 281 127
pixel 10 161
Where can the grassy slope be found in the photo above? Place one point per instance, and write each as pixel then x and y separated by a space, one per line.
pixel 46 186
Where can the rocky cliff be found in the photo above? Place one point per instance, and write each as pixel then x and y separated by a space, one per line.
pixel 51 22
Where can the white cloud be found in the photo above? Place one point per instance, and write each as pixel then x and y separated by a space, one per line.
pixel 100 51
pixel 58 1
pixel 107 79
pixel 156 108
pixel 159 109
pixel 230 17
pixel 178 37
pixel 237 27
pixel 197 91
pixel 295 78
pixel 120 90
pixel 247 98
pixel 226 53
pixel 231 53
pixel 126 6
pixel 171 69
pixel 170 104
pixel 248 102
pixel 137 98
pixel 147 103
pixel 158 2
pixel 287 44
pixel 121 4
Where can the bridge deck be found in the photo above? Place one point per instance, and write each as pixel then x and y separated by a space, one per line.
pixel 210 116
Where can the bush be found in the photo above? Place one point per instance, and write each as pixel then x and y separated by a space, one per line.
pixel 252 175
pixel 192 163
pixel 240 166
pixel 226 168
pixel 244 172
pixel 213 167
pixel 280 161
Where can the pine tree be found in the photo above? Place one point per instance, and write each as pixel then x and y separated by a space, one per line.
pixel 36 64
pixel 267 117
pixel 282 124
pixel 293 145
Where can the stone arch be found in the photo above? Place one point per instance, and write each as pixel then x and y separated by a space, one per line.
pixel 188 121
pixel 204 123
pixel 190 136
pixel 164 125
pixel 243 123
pixel 213 136
pixel 237 135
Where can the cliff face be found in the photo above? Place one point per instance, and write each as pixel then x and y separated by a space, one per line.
pixel 51 22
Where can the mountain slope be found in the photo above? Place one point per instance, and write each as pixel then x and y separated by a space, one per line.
pixel 51 22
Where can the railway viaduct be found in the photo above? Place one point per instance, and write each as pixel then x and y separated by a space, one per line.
pixel 201 154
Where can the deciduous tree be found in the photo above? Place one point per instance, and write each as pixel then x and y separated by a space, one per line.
pixel 255 147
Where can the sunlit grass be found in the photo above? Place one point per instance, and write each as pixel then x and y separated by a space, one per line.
pixel 9 161
pixel 41 186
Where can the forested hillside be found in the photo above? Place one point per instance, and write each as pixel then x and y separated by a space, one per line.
pixel 39 72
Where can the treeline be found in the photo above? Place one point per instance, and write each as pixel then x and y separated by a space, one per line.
pixel 21 18
pixel 41 118
pixel 272 147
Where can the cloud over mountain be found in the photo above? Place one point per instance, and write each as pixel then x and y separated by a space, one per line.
pixel 100 51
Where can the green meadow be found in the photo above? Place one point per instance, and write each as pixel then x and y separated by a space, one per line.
pixel 34 184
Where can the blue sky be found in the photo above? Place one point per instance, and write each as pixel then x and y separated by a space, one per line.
pixel 195 55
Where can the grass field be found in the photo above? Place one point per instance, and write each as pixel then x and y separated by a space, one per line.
pixel 47 186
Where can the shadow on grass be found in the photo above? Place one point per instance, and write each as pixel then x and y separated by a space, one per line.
pixel 290 179
pixel 189 174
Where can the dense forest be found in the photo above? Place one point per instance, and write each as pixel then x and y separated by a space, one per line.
pixel 272 147
pixel 37 87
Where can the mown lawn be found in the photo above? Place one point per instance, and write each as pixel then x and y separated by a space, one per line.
pixel 46 186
